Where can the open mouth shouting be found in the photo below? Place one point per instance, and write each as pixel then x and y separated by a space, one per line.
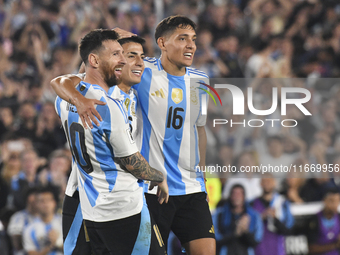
pixel 188 55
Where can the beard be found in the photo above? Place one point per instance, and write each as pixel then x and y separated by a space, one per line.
pixel 111 80
pixel 109 76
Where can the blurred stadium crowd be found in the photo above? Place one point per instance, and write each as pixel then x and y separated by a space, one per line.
pixel 236 39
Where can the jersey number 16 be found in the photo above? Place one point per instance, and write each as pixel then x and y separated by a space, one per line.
pixel 174 119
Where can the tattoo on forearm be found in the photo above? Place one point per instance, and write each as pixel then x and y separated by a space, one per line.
pixel 140 168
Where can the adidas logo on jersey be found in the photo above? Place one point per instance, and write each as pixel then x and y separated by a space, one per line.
pixel 159 93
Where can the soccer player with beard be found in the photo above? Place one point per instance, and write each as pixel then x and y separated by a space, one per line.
pixel 107 161
pixel 171 128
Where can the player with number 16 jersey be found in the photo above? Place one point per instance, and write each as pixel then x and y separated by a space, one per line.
pixel 168 116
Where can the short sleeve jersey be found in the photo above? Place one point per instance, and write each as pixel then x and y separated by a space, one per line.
pixel 168 117
pixel 106 191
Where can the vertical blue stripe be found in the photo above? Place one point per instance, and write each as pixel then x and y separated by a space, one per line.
pixel 35 239
pixel 199 175
pixel 224 250
pixel 72 235
pixel 258 227
pixel 48 227
pixel 104 151
pixel 26 222
pixel 143 96
pixel 143 241
pixel 91 192
pixel 121 108
pixel 173 137
pixel 290 218
pixel 251 251
pixel 57 103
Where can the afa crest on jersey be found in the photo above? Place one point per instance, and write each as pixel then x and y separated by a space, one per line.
pixel 193 95
pixel 127 103
pixel 177 95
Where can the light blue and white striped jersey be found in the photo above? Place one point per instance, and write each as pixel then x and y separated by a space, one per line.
pixel 130 106
pixel 35 236
pixel 19 221
pixel 168 116
pixel 106 191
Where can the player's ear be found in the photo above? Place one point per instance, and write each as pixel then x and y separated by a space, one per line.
pixel 161 43
pixel 93 60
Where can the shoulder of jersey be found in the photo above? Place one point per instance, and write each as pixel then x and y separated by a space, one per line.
pixel 195 73
pixel 95 91
pixel 151 63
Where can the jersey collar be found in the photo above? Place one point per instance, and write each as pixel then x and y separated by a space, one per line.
pixel 116 93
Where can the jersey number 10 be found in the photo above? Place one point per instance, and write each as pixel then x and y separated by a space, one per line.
pixel 74 129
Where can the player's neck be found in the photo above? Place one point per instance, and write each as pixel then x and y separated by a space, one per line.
pixel 171 68
pixel 328 214
pixel 268 196
pixel 124 87
pixel 47 218
pixel 94 77
pixel 238 209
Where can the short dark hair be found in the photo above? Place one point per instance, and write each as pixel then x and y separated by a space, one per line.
pixel 48 189
pixel 135 39
pixel 238 186
pixel 93 41
pixel 331 191
pixel 169 24
pixel 30 191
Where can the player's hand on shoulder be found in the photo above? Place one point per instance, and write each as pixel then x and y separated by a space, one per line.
pixel 123 33
pixel 87 111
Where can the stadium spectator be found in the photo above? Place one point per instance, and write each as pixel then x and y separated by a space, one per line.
pixel 48 136
pixel 293 185
pixel 274 155
pixel 323 229
pixel 26 127
pixel 44 235
pixel 315 188
pixel 238 227
pixel 276 216
pixel 25 179
pixel 228 48
pixel 11 148
pixel 21 219
pixel 249 180
pixel 207 58
pixel 6 121
pixel 57 173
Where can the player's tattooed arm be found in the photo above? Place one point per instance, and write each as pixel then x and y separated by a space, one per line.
pixel 140 168
pixel 64 86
